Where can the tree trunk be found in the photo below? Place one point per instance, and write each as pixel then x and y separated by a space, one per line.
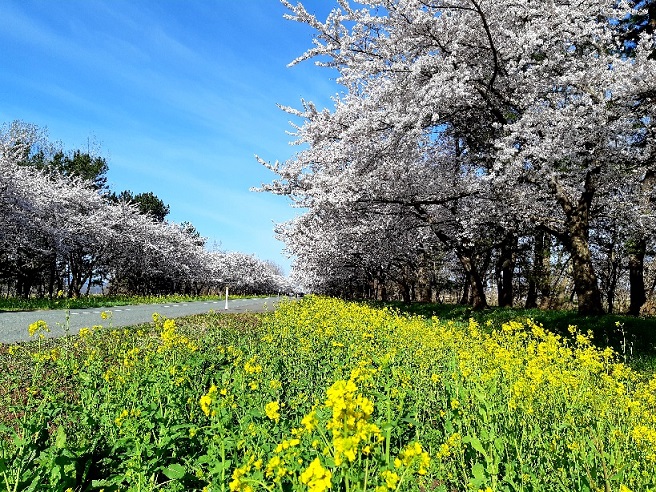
pixel 538 281
pixel 576 240
pixel 477 291
pixel 636 250
pixel 465 290
pixel 52 271
pixel 544 280
pixel 612 280
pixel 383 291
pixel 585 279
pixel 405 292
pixel 504 269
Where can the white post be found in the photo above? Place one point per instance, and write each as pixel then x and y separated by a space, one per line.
pixel 226 306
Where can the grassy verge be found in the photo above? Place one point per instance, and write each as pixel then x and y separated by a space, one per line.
pixel 96 301
pixel 321 395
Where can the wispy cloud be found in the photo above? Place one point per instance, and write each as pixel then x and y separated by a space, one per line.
pixel 182 94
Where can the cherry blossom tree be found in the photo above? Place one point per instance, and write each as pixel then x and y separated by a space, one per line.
pixel 58 231
pixel 478 117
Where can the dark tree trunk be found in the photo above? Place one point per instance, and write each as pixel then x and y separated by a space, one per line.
pixel 383 292
pixel 465 290
pixel 406 293
pixel 576 240
pixel 52 271
pixel 612 280
pixel 586 285
pixel 636 276
pixel 537 279
pixel 477 290
pixel 505 268
pixel 585 279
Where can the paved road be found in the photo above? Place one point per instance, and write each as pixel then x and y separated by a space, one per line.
pixel 13 325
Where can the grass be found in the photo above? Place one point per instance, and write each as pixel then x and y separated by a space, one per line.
pixel 322 392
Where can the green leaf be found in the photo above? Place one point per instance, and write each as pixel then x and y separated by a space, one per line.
pixel 475 443
pixel 220 466
pixel 480 477
pixel 202 459
pixel 60 439
pixel 174 471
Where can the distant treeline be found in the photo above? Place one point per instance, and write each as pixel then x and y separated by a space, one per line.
pixel 63 232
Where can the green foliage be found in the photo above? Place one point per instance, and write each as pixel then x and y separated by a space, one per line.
pixel 319 394
pixel 81 165
pixel 148 203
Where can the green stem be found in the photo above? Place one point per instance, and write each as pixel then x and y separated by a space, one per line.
pixel 223 463
pixel 398 485
pixel 388 430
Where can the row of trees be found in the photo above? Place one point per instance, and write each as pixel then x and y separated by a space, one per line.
pixel 478 143
pixel 61 229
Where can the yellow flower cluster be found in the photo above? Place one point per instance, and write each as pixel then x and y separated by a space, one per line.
pixel 207 399
pixel 125 414
pixel 310 421
pixel 645 438
pixel 240 481
pixel 285 453
pixel 172 340
pixel 39 326
pixel 316 477
pixel 413 453
pixel 391 480
pixel 447 448
pixel 272 410
pixel 350 426
pixel 47 355
pixel 252 367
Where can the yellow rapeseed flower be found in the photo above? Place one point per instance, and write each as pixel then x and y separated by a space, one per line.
pixel 310 421
pixel 272 410
pixel 207 399
pixel 316 477
pixel 38 326
pixel 391 479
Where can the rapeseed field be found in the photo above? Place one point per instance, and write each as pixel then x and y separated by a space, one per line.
pixel 323 395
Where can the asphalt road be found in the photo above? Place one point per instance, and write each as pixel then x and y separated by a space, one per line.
pixel 13 325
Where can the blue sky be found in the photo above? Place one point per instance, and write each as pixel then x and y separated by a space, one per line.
pixel 180 95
